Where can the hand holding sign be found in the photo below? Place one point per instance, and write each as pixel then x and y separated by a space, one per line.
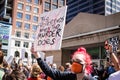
pixel 111 46
pixel 36 55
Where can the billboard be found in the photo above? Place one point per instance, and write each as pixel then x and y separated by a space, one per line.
pixel 50 31
pixel 5 33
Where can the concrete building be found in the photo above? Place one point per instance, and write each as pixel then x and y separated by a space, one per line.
pixel 24 15
pixel 102 7
pixel 89 31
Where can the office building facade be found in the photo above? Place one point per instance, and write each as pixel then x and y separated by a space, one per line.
pixel 24 15
pixel 101 7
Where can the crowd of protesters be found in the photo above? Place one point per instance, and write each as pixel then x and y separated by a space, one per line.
pixel 19 71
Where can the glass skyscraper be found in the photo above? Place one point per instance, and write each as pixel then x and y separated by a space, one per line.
pixel 101 7
pixel 112 6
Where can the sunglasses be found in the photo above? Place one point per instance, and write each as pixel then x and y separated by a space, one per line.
pixel 106 44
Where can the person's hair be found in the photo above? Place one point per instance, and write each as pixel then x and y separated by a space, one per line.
pixel 87 59
pixel 118 52
pixel 36 70
pixel 61 68
pixel 5 64
pixel 67 65
pixel 1 57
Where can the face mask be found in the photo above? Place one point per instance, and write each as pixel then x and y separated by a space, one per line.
pixel 77 67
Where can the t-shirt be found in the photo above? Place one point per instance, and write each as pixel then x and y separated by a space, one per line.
pixel 110 70
pixel 114 76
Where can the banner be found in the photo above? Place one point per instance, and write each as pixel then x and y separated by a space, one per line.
pixel 5 31
pixel 50 31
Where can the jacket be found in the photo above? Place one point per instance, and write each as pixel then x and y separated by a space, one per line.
pixel 55 74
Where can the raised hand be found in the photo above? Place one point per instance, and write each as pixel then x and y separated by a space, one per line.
pixel 36 55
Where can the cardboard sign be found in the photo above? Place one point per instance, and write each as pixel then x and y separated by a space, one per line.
pixel 113 42
pixel 111 45
pixel 9 59
pixel 50 31
pixel 49 59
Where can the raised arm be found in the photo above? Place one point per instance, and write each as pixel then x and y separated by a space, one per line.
pixel 54 74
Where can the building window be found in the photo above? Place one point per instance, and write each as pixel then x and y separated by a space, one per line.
pixel 28 8
pixel 47 5
pixel 18 24
pixel 5 52
pixel 55 1
pixel 35 18
pixel 27 17
pixel 17 54
pixel 17 43
pixel 29 1
pixel 34 27
pixel 26 44
pixel 18 34
pixel 36 1
pixel 26 55
pixel 26 35
pixel 54 6
pixel 36 10
pixel 62 2
pixel 20 6
pixel 19 15
pixel 27 26
pixel 46 10
pixel 94 52
pixel 33 36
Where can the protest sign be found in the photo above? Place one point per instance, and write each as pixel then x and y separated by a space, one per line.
pixel 22 53
pixel 111 46
pixel 50 30
pixel 9 59
pixel 49 59
pixel 114 42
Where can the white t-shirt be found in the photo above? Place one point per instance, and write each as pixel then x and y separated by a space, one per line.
pixel 115 76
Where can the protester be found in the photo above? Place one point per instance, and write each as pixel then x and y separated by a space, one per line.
pixel 54 66
pixel 95 72
pixel 116 75
pixel 16 74
pixel 101 72
pixel 35 74
pixel 1 65
pixel 67 66
pixel 81 66
pixel 0 46
pixel 61 68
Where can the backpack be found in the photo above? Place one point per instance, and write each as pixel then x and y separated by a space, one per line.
pixel 1 73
